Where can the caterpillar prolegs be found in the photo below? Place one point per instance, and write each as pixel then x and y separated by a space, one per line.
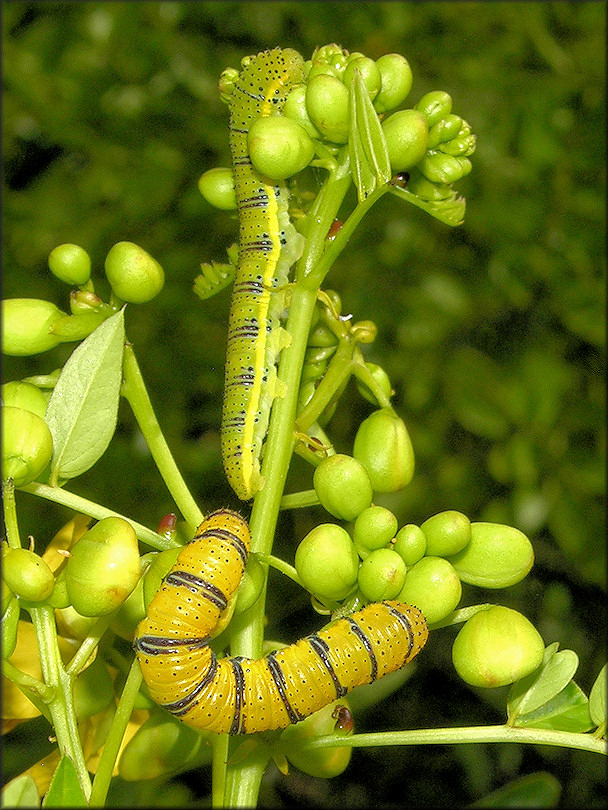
pixel 268 247
pixel 240 695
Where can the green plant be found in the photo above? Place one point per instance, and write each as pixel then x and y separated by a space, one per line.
pixel 323 351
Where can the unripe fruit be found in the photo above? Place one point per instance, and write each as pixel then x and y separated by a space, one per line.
pixel 407 134
pixel 496 647
pixel 321 762
pixel 279 147
pixel 395 81
pixel 496 556
pixel 326 562
pixel 27 445
pixel 374 528
pixel 446 533
pixel 327 105
pixel 381 575
pixel 217 187
pixel 432 585
pixel 27 574
pixel 24 395
pixel 26 326
pixel 343 486
pixel 383 446
pixel 134 275
pixel 70 263
pixel 369 72
pixel 410 544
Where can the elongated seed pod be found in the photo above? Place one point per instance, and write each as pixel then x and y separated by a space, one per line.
pixel 241 695
pixel 268 247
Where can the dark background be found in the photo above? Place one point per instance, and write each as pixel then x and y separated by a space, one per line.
pixel 493 333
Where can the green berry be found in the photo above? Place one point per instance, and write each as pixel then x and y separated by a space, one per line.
pixel 383 446
pixel 217 187
pixel 369 71
pixel 27 445
pixel 435 106
pixel 279 147
pixel 374 528
pixel 395 81
pixel 327 563
pixel 406 135
pixel 446 533
pixel 496 556
pixel 71 264
pixel 27 574
pixel 134 275
pixel 432 585
pixel 381 575
pixel 410 544
pixel 343 486
pixel 497 646
pixel 24 395
pixel 327 105
pixel 27 324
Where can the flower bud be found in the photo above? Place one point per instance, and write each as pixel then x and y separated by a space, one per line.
pixel 433 586
pixel 381 575
pixel 24 395
pixel 410 544
pixel 279 147
pixel 435 106
pixel 27 574
pixel 70 263
pixel 295 108
pixel 423 188
pixel 134 275
pixel 497 646
pixel 395 81
pixel 327 105
pixel 406 135
pixel 343 486
pixel 27 445
pixel 496 556
pixel 444 130
pixel 322 762
pixel 383 446
pixel 374 528
pixel 440 168
pixel 326 562
pixel 26 326
pixel 369 71
pixel 446 533
pixel 217 187
pixel 382 379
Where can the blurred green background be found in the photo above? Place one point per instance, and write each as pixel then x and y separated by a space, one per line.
pixel 493 333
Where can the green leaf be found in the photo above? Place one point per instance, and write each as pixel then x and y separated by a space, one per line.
pixel 21 792
pixel 543 684
pixel 597 698
pixel 534 790
pixel 567 711
pixel 65 790
pixel 368 151
pixel 83 408
pixel 449 211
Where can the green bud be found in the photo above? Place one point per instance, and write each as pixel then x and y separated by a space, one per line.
pixel 435 106
pixel 326 562
pixel 279 147
pixel 250 586
pixel 103 567
pixel 374 528
pixel 133 609
pixel 322 336
pixel 433 586
pixel 84 301
pixel 440 168
pixel 324 763
pixel 410 544
pixel 227 81
pixel 24 395
pixel 461 146
pixel 496 556
pixel 70 263
pixel 444 130
pixel 343 486
pixel 217 187
pixel 295 108
pixel 446 533
pixel 59 598
pixel 423 188
pixel 381 575
pixel 369 71
pixel 364 332
pixel 134 275
pixel 383 447
pixel 322 70
pixel 381 378
pixel 26 326
pixel 27 445
pixel 327 105
pixel 496 647
pixel 406 135
pixel 395 81
pixel 331 54
pixel 10 625
pixel 27 574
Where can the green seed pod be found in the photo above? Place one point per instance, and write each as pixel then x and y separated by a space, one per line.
pixel 496 556
pixel 496 647
pixel 27 445
pixel 423 188
pixel 381 378
pixel 103 567
pixel 444 130
pixel 432 584
pixel 446 533
pixel 24 395
pixel 324 763
pixel 381 575
pixel 217 187
pixel 26 326
pixel 27 574
pixel 134 275
pixel 383 447
pixel 279 147
pixel 406 135
pixel 374 528
pixel 327 563
pixel 158 570
pixel 369 71
pixel 343 486
pixel 440 168
pixel 395 81
pixel 295 108
pixel 327 105
pixel 410 544
pixel 435 106
pixel 70 263
pixel 10 625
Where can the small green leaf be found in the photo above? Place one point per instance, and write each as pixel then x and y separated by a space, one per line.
pixel 534 790
pixel 567 711
pixel 82 411
pixel 65 790
pixel 21 792
pixel 597 698
pixel 449 211
pixel 555 673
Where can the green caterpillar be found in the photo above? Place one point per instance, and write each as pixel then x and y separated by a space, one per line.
pixel 268 246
